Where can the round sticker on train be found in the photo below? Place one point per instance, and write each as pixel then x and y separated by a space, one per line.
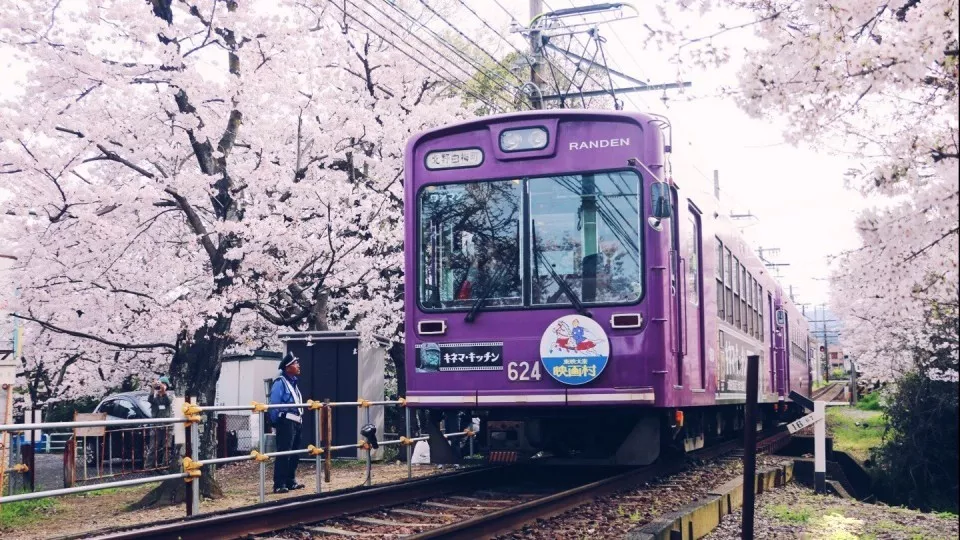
pixel 574 349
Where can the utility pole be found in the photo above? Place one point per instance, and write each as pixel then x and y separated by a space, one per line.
pixel 823 334
pixel 716 184
pixel 536 49
pixel 826 343
pixel 853 383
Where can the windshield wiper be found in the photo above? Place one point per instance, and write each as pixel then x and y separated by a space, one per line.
pixel 487 292
pixel 564 286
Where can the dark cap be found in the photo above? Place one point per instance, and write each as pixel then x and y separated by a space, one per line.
pixel 288 359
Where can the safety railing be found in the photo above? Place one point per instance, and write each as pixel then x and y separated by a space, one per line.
pixel 322 449
pixel 23 468
pixel 191 465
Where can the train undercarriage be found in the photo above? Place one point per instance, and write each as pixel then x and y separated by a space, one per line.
pixel 617 436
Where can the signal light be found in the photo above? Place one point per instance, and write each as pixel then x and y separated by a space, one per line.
pixel 678 418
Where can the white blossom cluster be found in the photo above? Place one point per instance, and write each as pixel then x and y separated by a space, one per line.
pixel 230 165
pixel 876 80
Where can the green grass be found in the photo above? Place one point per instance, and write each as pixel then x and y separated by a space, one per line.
pixel 790 515
pixel 857 440
pixel 870 402
pixel 348 463
pixel 14 515
pixel 634 517
pixel 102 492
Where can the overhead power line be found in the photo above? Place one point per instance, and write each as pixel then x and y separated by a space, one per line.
pixel 494 30
pixel 469 40
pixel 503 86
pixel 453 81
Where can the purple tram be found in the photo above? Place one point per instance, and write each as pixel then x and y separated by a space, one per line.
pixel 564 291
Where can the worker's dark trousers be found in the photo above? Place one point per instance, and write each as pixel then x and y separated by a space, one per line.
pixel 288 438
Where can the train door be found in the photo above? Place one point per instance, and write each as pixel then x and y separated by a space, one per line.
pixel 787 353
pixel 771 327
pixel 676 291
pixel 693 293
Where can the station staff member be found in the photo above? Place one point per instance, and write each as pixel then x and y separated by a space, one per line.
pixel 288 422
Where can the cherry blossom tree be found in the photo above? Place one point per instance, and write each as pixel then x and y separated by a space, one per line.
pixel 877 80
pixel 189 176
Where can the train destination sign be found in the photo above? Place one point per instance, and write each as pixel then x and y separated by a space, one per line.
pixel 574 349
pixel 454 159
pixel 459 357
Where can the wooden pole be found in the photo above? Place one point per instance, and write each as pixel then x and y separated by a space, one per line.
pixel 750 448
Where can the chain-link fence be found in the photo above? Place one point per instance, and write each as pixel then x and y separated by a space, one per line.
pixel 235 435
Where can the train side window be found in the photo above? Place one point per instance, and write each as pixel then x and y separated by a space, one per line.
pixel 736 294
pixel 756 308
pixel 743 298
pixel 763 330
pixel 728 282
pixel 719 274
pixel 719 271
pixel 693 263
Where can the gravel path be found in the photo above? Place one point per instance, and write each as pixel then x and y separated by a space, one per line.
pixel 794 512
pixel 614 516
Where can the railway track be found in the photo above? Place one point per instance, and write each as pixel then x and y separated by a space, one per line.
pixel 474 503
pixel 830 392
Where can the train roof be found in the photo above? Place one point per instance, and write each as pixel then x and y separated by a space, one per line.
pixel 640 117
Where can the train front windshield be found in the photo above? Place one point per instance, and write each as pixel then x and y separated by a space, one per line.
pixel 530 242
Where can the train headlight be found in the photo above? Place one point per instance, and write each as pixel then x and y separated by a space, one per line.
pixel 518 140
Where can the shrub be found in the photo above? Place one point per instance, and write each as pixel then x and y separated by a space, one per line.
pixel 870 402
pixel 917 463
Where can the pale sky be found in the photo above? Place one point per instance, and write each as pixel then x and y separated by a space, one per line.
pixel 796 194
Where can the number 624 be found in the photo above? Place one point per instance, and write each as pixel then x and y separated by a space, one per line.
pixel 523 371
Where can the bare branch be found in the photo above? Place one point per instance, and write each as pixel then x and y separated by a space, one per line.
pixel 84 335
pixel 197 225
pixel 109 155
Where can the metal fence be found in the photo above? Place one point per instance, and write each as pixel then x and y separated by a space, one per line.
pixel 146 446
pixel 235 435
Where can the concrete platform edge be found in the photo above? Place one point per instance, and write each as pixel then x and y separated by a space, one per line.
pixel 699 518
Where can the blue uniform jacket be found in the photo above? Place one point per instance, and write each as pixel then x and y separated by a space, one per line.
pixel 280 394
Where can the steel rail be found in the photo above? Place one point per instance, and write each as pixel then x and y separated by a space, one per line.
pixel 819 393
pixel 308 509
pixel 270 517
pixel 512 518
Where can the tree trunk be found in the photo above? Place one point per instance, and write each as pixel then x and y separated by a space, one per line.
pixel 194 371
pixel 318 320
pixel 397 356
